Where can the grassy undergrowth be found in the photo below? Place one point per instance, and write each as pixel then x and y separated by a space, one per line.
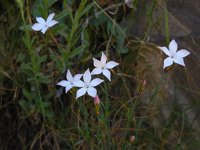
pixel 136 110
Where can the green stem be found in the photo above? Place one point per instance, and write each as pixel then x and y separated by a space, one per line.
pixel 155 92
pixel 31 53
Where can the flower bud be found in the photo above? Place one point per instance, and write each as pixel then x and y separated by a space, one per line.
pixel 97 104
pixel 129 3
pixel 132 139
pixel 142 87
pixel 96 100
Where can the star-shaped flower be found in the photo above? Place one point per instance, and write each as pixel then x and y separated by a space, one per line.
pixel 43 25
pixel 69 83
pixel 87 85
pixel 103 67
pixel 174 55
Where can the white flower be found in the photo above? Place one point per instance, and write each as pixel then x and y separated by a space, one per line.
pixel 88 85
pixel 43 25
pixel 174 55
pixel 102 66
pixel 69 83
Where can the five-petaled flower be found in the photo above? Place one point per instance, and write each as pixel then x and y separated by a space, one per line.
pixel 102 66
pixel 174 55
pixel 43 25
pixel 87 85
pixel 69 83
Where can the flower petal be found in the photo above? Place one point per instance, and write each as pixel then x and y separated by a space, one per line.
pixel 111 64
pixel 44 30
pixel 92 91
pixel 63 83
pixel 81 92
pixel 37 27
pixel 67 88
pixel 179 60
pixel 168 62
pixel 40 20
pixel 96 71
pixel 79 83
pixel 103 59
pixel 106 73
pixel 52 23
pixel 50 17
pixel 97 63
pixel 182 53
pixel 69 76
pixel 165 50
pixel 173 47
pixel 87 76
pixel 77 77
pixel 96 82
